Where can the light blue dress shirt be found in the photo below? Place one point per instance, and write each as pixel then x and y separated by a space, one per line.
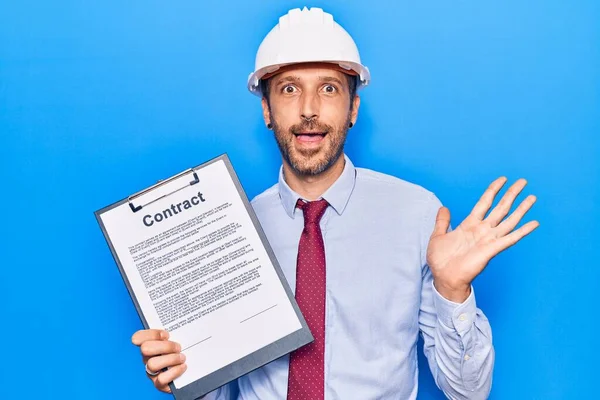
pixel 379 295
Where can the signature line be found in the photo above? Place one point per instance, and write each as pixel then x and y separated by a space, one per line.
pixel 258 313
pixel 203 340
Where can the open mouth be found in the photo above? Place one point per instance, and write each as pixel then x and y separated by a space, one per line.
pixel 310 137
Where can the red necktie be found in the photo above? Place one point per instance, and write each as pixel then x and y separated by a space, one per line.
pixel 307 364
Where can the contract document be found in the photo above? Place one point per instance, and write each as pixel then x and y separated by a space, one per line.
pixel 197 264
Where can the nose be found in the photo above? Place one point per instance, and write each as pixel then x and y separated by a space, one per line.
pixel 310 106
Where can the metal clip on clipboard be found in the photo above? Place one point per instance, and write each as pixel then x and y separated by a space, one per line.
pixel 137 208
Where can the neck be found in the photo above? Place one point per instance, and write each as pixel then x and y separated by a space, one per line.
pixel 311 187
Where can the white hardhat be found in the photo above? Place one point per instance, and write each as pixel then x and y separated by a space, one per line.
pixel 307 35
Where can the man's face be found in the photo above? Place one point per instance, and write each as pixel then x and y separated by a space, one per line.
pixel 310 113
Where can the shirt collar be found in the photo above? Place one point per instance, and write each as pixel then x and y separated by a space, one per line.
pixel 337 195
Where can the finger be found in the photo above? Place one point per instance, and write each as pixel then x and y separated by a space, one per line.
pixel 487 199
pixel 442 222
pixel 148 334
pixel 164 378
pixel 505 204
pixel 158 363
pixel 507 241
pixel 159 347
pixel 164 388
pixel 509 223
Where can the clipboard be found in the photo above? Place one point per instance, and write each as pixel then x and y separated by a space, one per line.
pixel 164 189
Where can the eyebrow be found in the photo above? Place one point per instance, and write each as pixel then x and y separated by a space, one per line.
pixel 331 79
pixel 287 79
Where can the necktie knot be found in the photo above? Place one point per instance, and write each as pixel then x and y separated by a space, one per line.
pixel 313 210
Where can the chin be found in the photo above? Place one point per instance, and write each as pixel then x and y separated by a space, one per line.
pixel 310 165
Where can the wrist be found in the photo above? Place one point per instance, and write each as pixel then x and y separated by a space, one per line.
pixel 456 293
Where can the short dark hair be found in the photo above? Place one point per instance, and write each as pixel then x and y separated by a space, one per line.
pixel 352 87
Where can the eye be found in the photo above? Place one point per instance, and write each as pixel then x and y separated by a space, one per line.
pixel 289 89
pixel 329 89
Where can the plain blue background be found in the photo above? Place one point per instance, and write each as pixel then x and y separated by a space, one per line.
pixel 100 99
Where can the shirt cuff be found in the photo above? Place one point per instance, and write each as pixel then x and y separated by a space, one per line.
pixel 459 316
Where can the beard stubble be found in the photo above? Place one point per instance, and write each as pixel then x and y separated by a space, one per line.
pixel 311 162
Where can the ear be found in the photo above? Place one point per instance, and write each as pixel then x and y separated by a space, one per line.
pixel 355 106
pixel 266 111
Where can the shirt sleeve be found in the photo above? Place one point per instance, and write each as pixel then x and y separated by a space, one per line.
pixel 225 392
pixel 457 337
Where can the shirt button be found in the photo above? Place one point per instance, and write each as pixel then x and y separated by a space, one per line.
pixel 462 317
pixel 467 357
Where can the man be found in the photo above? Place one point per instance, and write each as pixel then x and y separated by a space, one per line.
pixel 372 258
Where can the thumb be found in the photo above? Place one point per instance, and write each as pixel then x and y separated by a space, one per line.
pixel 442 222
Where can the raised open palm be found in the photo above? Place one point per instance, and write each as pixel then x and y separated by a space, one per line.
pixel 457 257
